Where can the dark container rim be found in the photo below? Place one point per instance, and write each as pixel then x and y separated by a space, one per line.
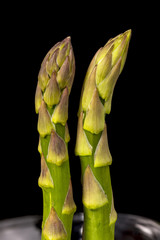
pixel 128 227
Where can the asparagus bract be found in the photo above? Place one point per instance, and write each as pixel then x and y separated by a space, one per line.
pixel 92 144
pixel 51 103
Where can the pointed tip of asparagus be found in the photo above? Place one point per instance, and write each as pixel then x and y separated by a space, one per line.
pixel 128 33
pixel 64 47
pixel 93 193
pixel 121 43
pixel 54 60
pixel 67 39
pixel 53 227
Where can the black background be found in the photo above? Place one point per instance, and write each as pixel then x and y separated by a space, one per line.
pixel 27 33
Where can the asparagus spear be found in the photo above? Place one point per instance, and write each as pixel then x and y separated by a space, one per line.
pixel 92 144
pixel 51 103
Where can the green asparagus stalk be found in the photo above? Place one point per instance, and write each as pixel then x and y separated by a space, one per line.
pixel 51 103
pixel 92 143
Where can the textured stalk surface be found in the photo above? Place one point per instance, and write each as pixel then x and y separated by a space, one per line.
pixel 92 143
pixel 51 103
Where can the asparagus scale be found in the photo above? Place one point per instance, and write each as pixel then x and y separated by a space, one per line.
pixel 92 143
pixel 55 80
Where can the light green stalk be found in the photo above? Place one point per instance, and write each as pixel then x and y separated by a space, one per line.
pixel 92 144
pixel 51 103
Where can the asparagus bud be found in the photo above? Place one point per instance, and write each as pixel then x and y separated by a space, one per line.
pixel 109 62
pixel 55 80
pixel 92 143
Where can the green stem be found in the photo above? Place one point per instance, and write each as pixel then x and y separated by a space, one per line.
pixel 92 143
pixel 97 222
pixel 51 103
pixel 56 196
